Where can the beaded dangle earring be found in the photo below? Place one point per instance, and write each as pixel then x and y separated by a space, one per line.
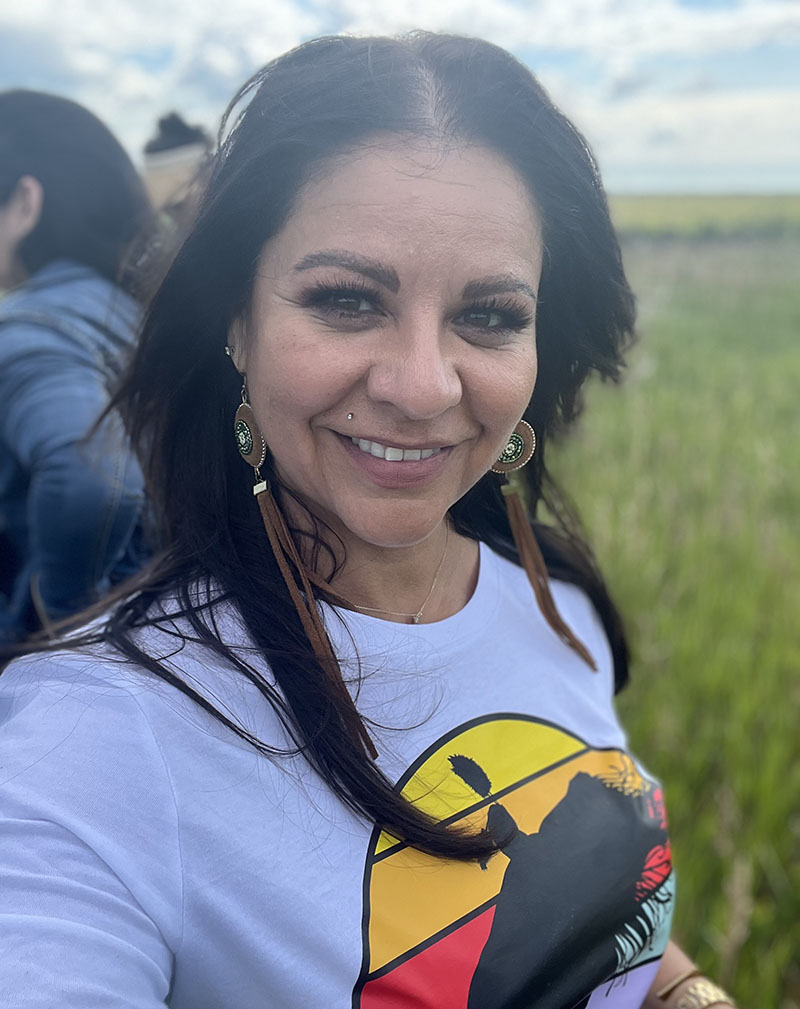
pixel 249 440
pixel 518 453
pixel 253 449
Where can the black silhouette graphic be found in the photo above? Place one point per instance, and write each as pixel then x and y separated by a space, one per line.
pixel 570 910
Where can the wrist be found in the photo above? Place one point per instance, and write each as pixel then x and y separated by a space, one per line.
pixel 692 990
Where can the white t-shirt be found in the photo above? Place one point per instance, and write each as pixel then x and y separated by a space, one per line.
pixel 150 857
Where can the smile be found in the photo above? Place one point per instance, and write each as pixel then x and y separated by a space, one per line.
pixel 391 454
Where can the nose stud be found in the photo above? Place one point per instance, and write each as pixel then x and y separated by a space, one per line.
pixel 349 416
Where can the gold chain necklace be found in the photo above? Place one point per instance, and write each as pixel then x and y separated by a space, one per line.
pixel 413 617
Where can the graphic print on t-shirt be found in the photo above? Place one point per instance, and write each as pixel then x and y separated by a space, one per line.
pixel 578 898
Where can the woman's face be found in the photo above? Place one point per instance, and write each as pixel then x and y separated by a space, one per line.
pixel 402 290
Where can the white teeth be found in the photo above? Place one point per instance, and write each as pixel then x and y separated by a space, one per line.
pixel 391 454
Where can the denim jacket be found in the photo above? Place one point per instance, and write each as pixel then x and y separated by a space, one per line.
pixel 69 507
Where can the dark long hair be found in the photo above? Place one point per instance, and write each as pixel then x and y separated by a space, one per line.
pixel 319 100
pixel 95 204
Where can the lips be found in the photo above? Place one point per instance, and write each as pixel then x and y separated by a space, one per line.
pixel 393 454
pixel 395 468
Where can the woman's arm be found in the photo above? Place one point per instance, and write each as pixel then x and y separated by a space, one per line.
pixel 675 964
pixel 90 863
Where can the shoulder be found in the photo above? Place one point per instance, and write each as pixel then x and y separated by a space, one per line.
pixel 573 603
pixel 88 724
pixel 572 600
pixel 65 308
pixel 569 565
pixel 121 700
pixel 32 323
pixel 51 699
pixel 74 736
pixel 26 327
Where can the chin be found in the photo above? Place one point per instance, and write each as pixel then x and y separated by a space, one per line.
pixel 393 539
pixel 396 530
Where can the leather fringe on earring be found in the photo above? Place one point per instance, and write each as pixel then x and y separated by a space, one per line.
pixel 293 570
pixel 517 453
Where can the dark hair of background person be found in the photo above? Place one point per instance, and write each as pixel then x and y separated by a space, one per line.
pixel 326 98
pixel 173 132
pixel 95 204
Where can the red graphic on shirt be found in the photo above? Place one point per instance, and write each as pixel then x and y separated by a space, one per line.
pixel 576 895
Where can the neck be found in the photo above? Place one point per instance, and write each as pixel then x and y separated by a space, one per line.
pixel 395 583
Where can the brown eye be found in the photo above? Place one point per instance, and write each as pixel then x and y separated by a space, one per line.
pixel 350 302
pixel 492 324
pixel 485 318
pixel 344 306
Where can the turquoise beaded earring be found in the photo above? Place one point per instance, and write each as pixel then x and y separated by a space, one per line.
pixel 249 440
pixel 518 451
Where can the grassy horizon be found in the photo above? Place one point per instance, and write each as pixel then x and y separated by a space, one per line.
pixel 723 215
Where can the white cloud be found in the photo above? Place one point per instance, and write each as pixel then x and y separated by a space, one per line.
pixel 730 140
pixel 618 29
pixel 716 126
pixel 132 60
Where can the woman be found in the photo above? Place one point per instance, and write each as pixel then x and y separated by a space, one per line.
pixel 70 205
pixel 349 743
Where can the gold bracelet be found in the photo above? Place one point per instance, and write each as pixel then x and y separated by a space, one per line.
pixel 702 994
pixel 669 988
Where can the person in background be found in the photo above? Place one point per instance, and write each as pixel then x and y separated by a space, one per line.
pixel 173 162
pixel 71 494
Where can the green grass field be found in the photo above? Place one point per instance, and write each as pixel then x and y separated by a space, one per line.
pixel 688 480
pixel 708 216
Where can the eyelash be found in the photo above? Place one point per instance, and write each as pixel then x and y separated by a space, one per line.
pixel 321 298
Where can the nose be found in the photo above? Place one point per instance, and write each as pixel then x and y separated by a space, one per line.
pixel 416 372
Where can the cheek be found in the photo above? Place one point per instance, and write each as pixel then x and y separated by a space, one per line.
pixel 525 372
pixel 291 383
pixel 506 389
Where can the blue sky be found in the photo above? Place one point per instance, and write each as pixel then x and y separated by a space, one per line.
pixel 673 95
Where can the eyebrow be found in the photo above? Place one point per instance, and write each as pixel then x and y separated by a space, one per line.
pixel 502 283
pixel 383 275
pixel 387 277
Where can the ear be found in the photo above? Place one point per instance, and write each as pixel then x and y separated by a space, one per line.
pixel 237 341
pixel 24 208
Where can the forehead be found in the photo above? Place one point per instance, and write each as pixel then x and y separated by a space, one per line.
pixel 421 208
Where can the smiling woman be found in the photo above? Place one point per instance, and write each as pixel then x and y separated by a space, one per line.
pixel 351 741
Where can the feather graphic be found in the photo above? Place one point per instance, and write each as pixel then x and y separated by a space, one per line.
pixel 471 773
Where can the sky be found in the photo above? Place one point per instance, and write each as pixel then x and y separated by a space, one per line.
pixel 673 95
